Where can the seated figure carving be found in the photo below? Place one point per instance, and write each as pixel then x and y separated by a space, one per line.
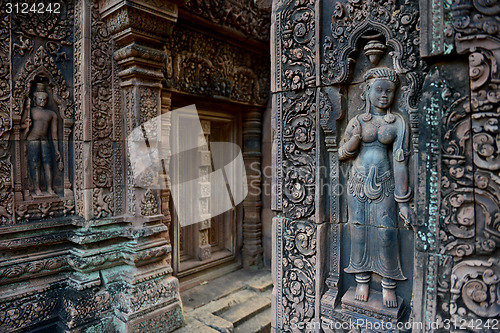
pixel 375 185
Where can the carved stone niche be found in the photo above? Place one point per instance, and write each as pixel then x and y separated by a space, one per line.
pixel 42 124
pixel 353 60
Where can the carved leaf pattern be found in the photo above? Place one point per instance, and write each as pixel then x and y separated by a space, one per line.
pixel 297 44
pixel 475 286
pixel 352 18
pixel 102 115
pixel 240 15
pixel 299 260
pixel 470 184
pixel 203 65
pixel 299 131
pixel 52 26
pixel 6 196
pixel 27 311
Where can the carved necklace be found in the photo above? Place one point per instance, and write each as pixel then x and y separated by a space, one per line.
pixel 388 118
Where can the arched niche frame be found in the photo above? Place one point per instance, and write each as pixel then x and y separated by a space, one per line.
pixel 351 29
pixel 398 25
pixel 41 67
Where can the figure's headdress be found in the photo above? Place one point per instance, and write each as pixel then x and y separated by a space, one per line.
pixel 383 73
pixel 40 89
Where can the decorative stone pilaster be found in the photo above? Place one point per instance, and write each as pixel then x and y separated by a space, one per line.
pixel 252 224
pixel 148 296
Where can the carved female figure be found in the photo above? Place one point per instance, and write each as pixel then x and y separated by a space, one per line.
pixel 376 184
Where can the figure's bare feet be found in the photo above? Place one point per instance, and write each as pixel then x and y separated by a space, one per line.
pixel 389 297
pixel 38 191
pixel 362 291
pixel 50 191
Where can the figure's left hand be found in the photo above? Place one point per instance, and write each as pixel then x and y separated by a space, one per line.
pixel 405 214
pixel 60 164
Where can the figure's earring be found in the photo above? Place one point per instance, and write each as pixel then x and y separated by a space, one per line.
pixel 389 117
pixel 367 116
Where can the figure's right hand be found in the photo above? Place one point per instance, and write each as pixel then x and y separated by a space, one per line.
pixel 356 128
pixel 28 122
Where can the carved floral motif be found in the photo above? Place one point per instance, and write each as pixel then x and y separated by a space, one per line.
pixel 27 311
pixel 475 286
pixel 296 55
pixel 148 294
pixel 78 310
pixel 102 115
pixel 299 124
pixel 149 205
pixel 32 268
pixel 298 265
pixel 203 65
pixel 240 15
pixel 53 26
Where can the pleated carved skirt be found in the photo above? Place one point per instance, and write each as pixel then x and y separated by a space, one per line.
pixel 373 223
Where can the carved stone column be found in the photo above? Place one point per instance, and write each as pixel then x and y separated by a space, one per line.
pixel 252 224
pixel 149 297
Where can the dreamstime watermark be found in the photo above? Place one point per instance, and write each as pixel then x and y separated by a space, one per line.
pixel 203 182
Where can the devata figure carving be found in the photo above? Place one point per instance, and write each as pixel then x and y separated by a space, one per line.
pixel 39 123
pixel 375 185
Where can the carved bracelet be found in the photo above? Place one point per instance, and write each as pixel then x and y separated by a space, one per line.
pixel 403 198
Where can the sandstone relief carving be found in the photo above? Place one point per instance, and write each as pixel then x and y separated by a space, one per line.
pixel 42 142
pixel 377 190
pixel 42 127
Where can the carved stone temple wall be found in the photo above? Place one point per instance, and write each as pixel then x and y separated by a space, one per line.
pixel 426 190
pixel 84 247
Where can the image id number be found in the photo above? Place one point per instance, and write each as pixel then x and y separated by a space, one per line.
pixel 37 8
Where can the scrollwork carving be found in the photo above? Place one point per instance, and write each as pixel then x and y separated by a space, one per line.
pixel 203 65
pixel 299 260
pixel 51 25
pixel 27 311
pixel 296 50
pixel 299 131
pixel 147 294
pixel 78 310
pixel 353 18
pixel 243 16
pixel 474 289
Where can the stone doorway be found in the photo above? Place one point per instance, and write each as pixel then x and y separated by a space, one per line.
pixel 211 248
pixel 212 243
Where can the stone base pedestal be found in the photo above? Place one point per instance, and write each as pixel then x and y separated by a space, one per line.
pixel 372 315
pixel 165 319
